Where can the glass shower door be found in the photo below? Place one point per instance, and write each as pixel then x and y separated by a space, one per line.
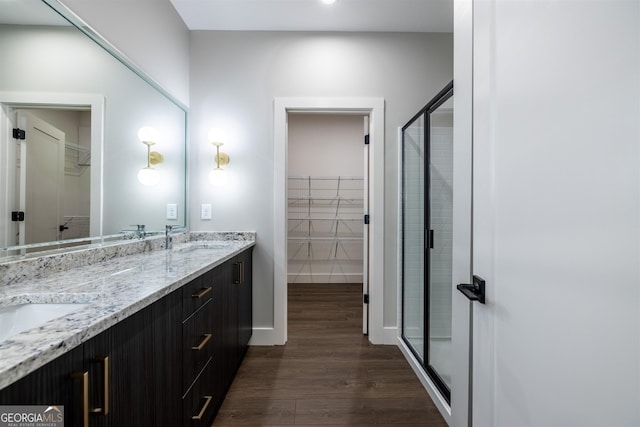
pixel 413 248
pixel 441 239
pixel 427 231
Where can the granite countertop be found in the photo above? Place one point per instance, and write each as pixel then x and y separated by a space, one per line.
pixel 112 290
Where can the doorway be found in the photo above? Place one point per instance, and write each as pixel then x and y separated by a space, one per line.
pixel 327 189
pixel 374 108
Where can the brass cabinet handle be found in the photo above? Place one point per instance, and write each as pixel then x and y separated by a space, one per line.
pixel 205 340
pixel 84 390
pixel 204 408
pixel 239 273
pixel 240 265
pixel 202 292
pixel 105 380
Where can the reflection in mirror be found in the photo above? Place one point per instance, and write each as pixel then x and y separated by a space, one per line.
pixel 60 76
pixel 53 174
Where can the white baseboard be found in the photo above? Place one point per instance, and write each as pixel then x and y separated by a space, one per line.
pixel 390 335
pixel 267 336
pixel 263 336
pixel 325 278
pixel 436 397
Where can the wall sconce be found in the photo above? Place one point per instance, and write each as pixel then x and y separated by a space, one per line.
pixel 218 177
pixel 149 176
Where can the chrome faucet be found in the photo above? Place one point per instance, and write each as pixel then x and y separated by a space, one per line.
pixel 141 232
pixel 168 240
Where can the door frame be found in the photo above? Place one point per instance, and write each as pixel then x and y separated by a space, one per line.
pixel 14 100
pixel 374 107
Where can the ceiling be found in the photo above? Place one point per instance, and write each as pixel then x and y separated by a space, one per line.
pixel 313 15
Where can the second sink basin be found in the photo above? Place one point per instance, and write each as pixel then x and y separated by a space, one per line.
pixel 15 319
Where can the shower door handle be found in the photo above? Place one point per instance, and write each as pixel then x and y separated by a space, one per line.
pixel 475 291
pixel 428 238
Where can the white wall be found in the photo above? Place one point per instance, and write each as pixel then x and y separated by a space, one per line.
pixel 326 144
pixel 148 32
pixel 235 77
pixel 557 213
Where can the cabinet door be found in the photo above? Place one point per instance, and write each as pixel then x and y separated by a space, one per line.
pixel 54 385
pixel 167 357
pixel 216 372
pixel 230 324
pixel 245 303
pixel 120 366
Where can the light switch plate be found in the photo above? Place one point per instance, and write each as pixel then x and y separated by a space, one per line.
pixel 205 211
pixel 172 211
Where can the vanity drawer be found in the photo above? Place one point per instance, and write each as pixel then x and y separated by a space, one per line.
pixel 198 343
pixel 200 404
pixel 195 295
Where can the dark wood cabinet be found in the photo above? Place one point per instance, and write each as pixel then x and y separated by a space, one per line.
pixel 198 339
pixel 245 303
pixel 233 315
pixel 59 382
pixel 121 376
pixel 167 355
pixel 167 365
pixel 115 368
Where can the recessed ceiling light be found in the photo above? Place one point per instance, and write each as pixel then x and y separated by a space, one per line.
pixel 328 1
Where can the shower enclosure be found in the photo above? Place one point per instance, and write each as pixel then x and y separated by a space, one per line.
pixel 427 226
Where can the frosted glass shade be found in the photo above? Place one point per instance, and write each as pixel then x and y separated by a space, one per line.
pixel 218 177
pixel 148 176
pixel 148 134
pixel 217 136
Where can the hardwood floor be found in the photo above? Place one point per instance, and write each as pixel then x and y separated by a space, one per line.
pixel 327 374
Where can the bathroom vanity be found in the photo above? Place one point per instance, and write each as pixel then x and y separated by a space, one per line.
pixel 155 341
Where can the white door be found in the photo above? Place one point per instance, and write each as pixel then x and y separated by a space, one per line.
pixel 556 213
pixel 365 234
pixel 41 179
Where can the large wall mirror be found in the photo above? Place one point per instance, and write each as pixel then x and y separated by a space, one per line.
pixel 73 174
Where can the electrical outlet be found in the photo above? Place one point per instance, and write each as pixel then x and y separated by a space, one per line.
pixel 172 211
pixel 205 211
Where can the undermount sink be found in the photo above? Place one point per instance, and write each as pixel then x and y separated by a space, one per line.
pixel 15 319
pixel 199 247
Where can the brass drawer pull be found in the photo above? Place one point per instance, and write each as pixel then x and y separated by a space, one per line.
pixel 84 390
pixel 202 292
pixel 240 279
pixel 238 273
pixel 205 340
pixel 105 381
pixel 204 408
